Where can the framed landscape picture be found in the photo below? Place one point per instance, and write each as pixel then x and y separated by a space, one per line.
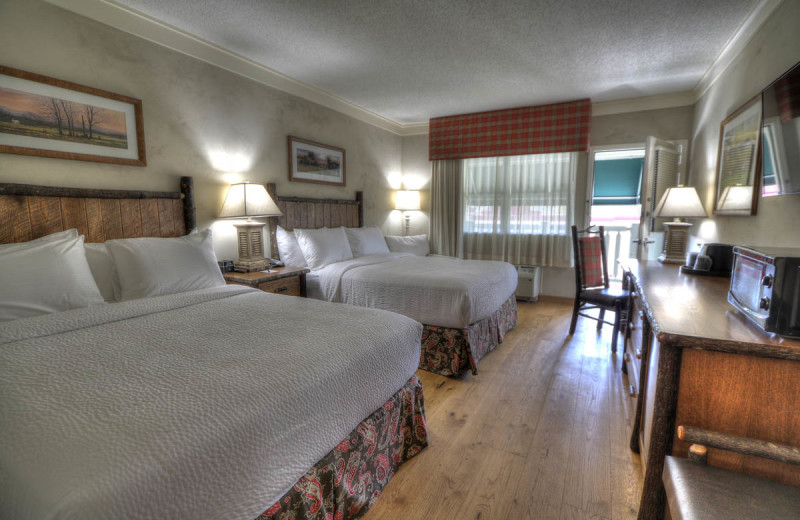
pixel 315 162
pixel 48 117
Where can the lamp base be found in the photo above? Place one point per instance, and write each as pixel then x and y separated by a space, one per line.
pixel 245 266
pixel 251 247
pixel 676 238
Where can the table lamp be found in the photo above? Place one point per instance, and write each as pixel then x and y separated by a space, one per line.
pixel 407 200
pixel 679 202
pixel 249 200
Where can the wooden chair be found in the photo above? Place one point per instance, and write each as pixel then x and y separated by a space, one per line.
pixel 592 290
pixel 697 491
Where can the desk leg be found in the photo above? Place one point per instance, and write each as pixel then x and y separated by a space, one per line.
pixel 654 498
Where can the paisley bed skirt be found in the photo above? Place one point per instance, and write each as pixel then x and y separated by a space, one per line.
pixel 350 478
pixel 450 352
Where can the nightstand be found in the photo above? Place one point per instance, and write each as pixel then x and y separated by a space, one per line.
pixel 283 280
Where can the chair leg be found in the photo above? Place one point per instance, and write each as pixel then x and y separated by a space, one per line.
pixel 575 310
pixel 602 317
pixel 617 317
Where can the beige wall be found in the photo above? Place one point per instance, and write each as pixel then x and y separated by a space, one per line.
pixel 774 48
pixel 417 176
pixel 199 120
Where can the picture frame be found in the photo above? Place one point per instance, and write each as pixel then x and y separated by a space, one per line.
pixel 48 117
pixel 739 161
pixel 317 163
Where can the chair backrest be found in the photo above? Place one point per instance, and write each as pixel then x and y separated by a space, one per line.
pixel 589 248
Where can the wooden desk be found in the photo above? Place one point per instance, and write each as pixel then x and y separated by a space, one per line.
pixel 704 365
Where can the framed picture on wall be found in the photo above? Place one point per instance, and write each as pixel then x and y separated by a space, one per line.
pixel 316 162
pixel 48 117
pixel 739 162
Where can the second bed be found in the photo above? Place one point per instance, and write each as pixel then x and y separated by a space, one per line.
pixel 466 306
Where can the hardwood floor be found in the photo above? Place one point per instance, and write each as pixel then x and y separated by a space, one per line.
pixel 540 433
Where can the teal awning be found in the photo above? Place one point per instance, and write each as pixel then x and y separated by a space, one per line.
pixel 617 181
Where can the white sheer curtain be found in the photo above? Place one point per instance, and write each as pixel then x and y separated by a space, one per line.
pixel 520 208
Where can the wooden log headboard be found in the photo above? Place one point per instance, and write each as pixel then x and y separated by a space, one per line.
pixel 28 212
pixel 308 213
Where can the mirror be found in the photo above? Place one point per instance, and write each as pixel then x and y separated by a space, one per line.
pixel 781 135
pixel 739 161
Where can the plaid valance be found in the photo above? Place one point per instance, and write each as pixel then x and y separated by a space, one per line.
pixel 556 128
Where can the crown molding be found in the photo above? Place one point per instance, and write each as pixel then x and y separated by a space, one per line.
pixel 736 44
pixel 136 23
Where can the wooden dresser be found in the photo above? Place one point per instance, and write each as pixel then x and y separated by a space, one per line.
pixel 703 364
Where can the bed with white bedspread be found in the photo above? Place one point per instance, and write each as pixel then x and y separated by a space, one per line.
pixel 466 306
pixel 435 290
pixel 172 402
pixel 249 401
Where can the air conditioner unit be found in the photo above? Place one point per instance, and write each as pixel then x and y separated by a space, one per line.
pixel 529 283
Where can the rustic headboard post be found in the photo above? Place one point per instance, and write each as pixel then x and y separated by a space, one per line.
pixel 308 213
pixel 189 213
pixel 272 223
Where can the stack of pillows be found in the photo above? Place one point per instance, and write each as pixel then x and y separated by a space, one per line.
pixel 59 272
pixel 315 248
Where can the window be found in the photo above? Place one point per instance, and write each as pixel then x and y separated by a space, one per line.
pixel 510 200
pixel 521 194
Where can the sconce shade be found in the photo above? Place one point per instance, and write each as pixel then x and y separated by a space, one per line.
pixel 248 200
pixel 681 202
pixel 407 200
pixel 736 198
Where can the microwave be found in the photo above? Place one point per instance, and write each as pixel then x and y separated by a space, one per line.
pixel 765 287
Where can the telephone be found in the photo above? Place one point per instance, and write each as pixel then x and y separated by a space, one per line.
pixel 275 263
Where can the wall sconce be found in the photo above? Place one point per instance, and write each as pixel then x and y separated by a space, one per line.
pixel 405 201
pixel 249 200
pixel 679 202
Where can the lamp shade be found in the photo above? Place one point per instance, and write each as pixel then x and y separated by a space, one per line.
pixel 681 202
pixel 407 200
pixel 736 198
pixel 248 200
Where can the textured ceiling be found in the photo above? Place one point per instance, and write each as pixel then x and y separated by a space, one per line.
pixel 411 60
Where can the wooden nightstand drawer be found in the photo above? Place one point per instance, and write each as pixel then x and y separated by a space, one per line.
pixel 283 280
pixel 289 286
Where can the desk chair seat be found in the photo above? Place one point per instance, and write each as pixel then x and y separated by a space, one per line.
pixel 592 290
pixel 699 492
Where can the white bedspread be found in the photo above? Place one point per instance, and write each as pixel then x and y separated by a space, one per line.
pixel 208 404
pixel 434 290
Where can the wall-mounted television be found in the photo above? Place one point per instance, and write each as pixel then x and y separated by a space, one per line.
pixel 780 131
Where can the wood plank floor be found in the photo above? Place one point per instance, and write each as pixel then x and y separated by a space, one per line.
pixel 540 433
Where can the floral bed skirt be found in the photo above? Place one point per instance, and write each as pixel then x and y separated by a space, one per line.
pixel 350 478
pixel 450 352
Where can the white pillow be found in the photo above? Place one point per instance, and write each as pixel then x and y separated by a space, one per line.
pixel 366 241
pixel 156 266
pixel 417 244
pixel 105 274
pixel 288 248
pixel 45 276
pixel 61 235
pixel 323 246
